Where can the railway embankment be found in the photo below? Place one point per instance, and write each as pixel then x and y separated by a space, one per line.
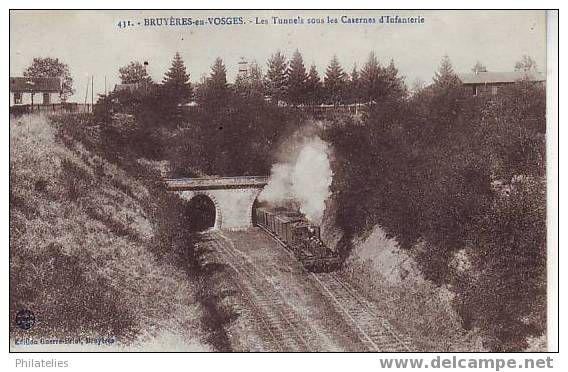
pixel 388 277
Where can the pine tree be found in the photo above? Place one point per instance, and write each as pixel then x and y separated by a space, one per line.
pixel 297 78
pixel 418 86
pixel 354 86
pixel 445 76
pixel 218 77
pixel 335 82
pixel 395 83
pixel 215 87
pixel 314 86
pixel 176 80
pixel 256 78
pixel 276 77
pixel 373 84
pixel 241 84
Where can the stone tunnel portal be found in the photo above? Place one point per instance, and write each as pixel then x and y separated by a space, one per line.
pixel 232 197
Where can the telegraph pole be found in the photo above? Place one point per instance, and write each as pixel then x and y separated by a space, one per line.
pixel 92 91
pixel 146 77
pixel 86 95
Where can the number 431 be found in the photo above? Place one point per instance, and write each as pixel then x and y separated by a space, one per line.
pixel 123 24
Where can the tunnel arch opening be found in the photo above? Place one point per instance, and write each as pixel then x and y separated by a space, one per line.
pixel 202 213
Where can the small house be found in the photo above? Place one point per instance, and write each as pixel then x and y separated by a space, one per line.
pixel 488 83
pixel 34 91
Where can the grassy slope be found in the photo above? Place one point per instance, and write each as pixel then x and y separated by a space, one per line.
pixel 379 269
pixel 81 249
pixel 384 273
pixel 389 276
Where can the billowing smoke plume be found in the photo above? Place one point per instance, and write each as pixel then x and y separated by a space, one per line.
pixel 304 177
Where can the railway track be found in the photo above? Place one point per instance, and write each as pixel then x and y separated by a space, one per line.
pixel 279 324
pixel 375 332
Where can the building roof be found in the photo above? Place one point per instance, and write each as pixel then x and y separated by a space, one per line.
pixel 500 77
pixel 25 84
pixel 131 87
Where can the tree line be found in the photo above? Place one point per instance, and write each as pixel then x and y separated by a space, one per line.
pixel 290 82
pixel 284 82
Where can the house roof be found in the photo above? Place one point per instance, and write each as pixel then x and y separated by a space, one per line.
pixel 24 84
pixel 131 87
pixel 500 77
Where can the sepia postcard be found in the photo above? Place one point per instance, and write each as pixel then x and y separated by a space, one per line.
pixel 281 181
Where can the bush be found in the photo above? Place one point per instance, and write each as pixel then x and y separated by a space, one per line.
pixel 67 298
pixel 236 138
pixel 504 291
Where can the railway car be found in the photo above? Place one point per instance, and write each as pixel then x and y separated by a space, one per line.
pixel 261 216
pixel 282 223
pixel 299 236
pixel 270 221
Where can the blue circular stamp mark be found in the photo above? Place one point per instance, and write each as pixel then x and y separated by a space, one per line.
pixel 25 319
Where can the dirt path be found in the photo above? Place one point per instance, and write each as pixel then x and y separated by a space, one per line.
pixel 281 307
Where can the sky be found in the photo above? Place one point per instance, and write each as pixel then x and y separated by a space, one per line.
pixel 93 45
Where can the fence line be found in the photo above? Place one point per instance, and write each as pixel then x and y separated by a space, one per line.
pixel 54 108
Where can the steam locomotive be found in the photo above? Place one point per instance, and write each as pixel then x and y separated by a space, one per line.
pixel 299 236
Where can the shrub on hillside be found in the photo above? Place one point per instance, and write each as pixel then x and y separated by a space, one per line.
pixel 236 138
pixel 67 296
pixel 504 291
